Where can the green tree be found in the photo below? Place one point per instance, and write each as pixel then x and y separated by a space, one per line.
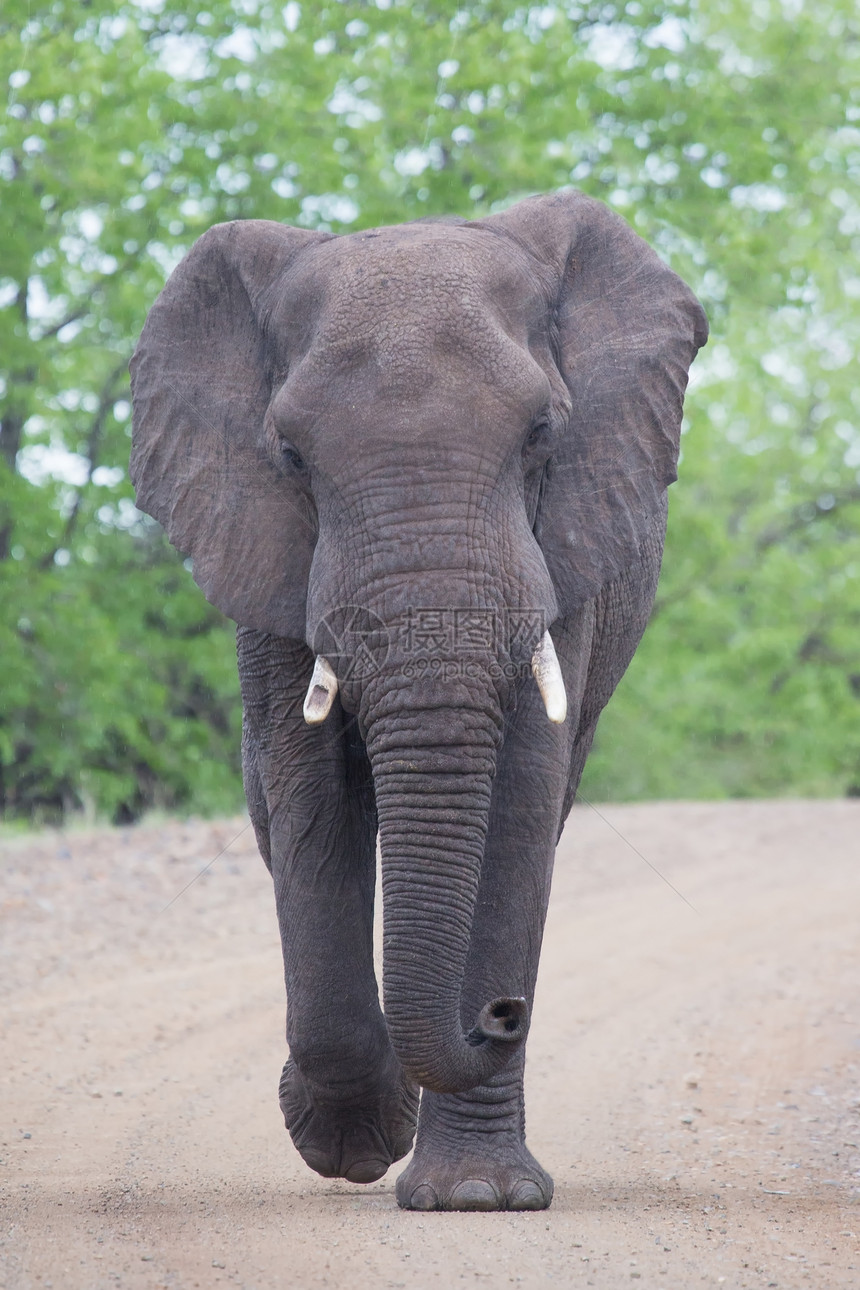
pixel 726 131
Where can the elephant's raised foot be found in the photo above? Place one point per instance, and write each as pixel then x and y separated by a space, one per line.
pixel 515 1182
pixel 357 1140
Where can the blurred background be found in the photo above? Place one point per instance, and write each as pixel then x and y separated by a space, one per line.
pixel 726 131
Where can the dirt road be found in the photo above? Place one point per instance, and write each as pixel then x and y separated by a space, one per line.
pixel 694 1073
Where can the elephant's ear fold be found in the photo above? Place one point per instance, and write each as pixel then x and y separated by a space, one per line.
pixel 201 383
pixel 624 330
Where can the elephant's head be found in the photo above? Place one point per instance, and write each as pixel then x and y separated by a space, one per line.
pixel 428 442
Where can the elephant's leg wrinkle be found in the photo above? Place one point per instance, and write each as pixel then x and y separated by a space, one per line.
pixel 359 1138
pixel 471 1152
pixel 254 795
pixel 345 1101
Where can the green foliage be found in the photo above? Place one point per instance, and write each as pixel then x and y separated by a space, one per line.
pixel 727 131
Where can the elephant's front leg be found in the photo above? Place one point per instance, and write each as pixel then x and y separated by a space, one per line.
pixel 470 1152
pixel 348 1107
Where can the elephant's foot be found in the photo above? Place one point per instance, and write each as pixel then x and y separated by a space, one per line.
pixel 510 1178
pixel 355 1139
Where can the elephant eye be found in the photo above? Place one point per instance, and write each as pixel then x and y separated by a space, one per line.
pixel 536 436
pixel 292 457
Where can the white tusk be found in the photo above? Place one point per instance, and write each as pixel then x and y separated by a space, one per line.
pixel 550 682
pixel 321 692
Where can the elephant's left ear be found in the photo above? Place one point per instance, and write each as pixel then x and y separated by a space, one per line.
pixel 202 377
pixel 624 329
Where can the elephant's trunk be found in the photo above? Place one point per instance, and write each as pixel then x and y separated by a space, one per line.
pixel 460 546
pixel 433 771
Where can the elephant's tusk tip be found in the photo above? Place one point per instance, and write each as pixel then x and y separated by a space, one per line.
pixel 557 712
pixel 321 694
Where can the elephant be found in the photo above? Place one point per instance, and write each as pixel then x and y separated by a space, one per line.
pixel 424 468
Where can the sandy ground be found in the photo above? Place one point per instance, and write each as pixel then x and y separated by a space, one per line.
pixel 694 1075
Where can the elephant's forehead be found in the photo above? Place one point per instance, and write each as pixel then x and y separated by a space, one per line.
pixel 417 285
pixel 402 258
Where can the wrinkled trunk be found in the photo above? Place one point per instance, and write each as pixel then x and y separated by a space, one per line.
pixel 455 546
pixel 433 771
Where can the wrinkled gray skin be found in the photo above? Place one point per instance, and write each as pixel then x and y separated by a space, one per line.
pixel 448 415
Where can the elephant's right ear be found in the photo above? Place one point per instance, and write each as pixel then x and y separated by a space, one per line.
pixel 624 330
pixel 201 384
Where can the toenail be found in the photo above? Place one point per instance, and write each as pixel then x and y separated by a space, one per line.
pixel 424 1197
pixel 474 1193
pixel 319 1161
pixel 527 1195
pixel 366 1171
